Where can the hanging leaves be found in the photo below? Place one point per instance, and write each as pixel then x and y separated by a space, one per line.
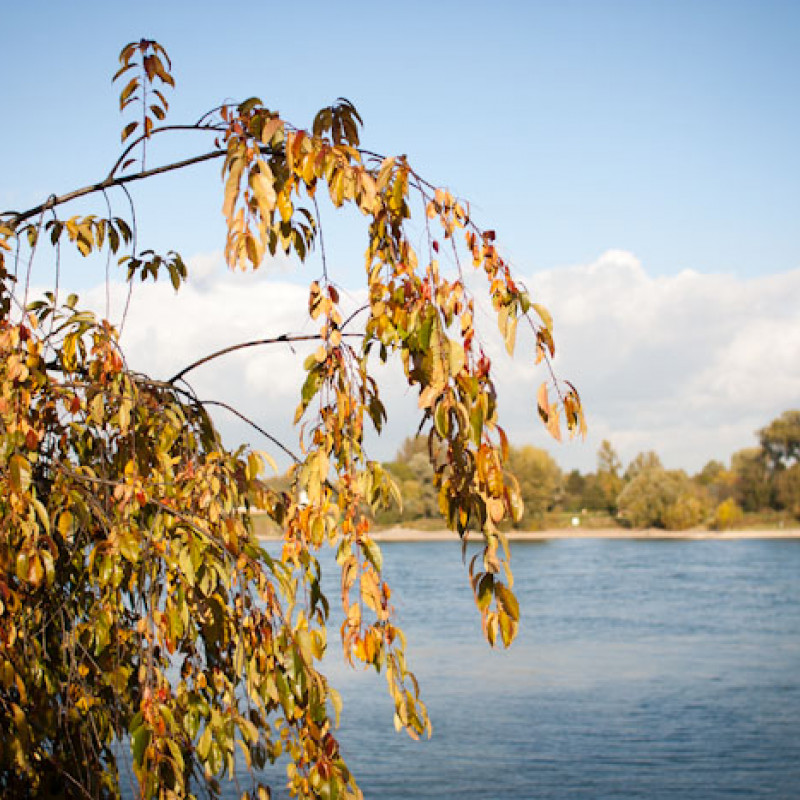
pixel 135 598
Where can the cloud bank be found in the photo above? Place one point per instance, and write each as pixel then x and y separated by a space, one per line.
pixel 689 365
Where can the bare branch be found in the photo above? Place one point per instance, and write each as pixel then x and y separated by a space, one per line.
pixel 284 337
pixel 252 424
pixel 15 218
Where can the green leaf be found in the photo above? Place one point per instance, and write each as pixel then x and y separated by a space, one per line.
pixel 311 385
pixel 505 598
pixel 372 552
pixel 20 470
pixel 204 745
pixel 140 739
pixel 485 587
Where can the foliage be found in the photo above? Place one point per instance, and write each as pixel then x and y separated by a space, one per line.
pixel 780 440
pixel 576 489
pixel 137 609
pixel 413 473
pixel 753 489
pixel 788 489
pixel 539 480
pixel 609 478
pixel 718 481
pixel 536 474
pixel 728 514
pixel 689 509
pixel 643 461
pixel 660 498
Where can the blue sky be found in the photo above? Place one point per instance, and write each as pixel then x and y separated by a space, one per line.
pixel 665 133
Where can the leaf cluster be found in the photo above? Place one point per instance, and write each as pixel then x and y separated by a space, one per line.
pixel 137 608
pixel 141 65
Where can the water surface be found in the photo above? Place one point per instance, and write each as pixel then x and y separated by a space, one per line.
pixel 644 669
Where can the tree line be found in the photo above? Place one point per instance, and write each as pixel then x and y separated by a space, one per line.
pixel 758 483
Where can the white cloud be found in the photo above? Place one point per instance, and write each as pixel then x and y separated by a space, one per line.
pixel 689 365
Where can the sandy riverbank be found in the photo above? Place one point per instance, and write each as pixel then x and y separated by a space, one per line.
pixel 400 534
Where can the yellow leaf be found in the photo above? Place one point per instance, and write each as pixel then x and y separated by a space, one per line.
pixel 232 187
pixel 65 523
pixel 263 185
pixel 285 205
pixel 97 408
pixel 457 358
pixel 385 173
pixel 427 396
pixel 543 403
pixel 125 414
pixel 553 423
pixel 270 128
pixel 544 315
pixel 20 473
pixel 269 459
pixel 511 334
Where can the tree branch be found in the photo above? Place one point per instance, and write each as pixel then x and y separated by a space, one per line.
pixel 284 337
pixel 252 424
pixel 108 183
pixel 163 129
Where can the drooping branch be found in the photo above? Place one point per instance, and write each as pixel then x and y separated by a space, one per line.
pixel 284 337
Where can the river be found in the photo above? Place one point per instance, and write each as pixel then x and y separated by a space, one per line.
pixel 655 669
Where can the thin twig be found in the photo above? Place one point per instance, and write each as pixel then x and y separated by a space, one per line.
pixel 252 424
pixel 321 240
pixel 162 129
pixel 135 237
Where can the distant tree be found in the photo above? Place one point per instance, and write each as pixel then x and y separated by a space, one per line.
pixel 710 473
pixel 780 440
pixel 412 446
pixel 414 474
pixel 609 475
pixel 594 496
pixel 642 462
pixel 717 480
pixel 728 514
pixel 607 459
pixel 540 482
pixel 573 494
pixel 690 508
pixel 661 498
pixel 753 489
pixel 787 489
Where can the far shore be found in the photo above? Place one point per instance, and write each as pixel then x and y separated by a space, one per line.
pixel 404 534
